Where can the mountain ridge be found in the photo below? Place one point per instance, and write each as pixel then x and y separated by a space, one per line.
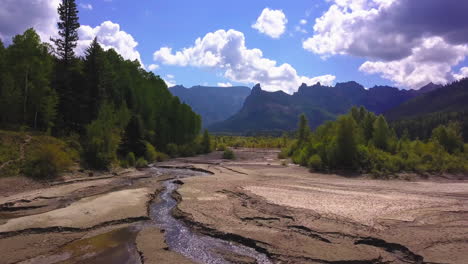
pixel 278 111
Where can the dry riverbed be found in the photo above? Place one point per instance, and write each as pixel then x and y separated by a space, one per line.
pixel 284 212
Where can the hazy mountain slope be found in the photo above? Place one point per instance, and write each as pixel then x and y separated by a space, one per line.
pixel 212 103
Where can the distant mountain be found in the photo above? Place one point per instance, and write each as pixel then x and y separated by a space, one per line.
pixel 430 87
pixel 273 111
pixel 214 104
pixel 450 98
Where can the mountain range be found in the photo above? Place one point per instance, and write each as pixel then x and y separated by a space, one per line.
pixel 278 111
pixel 214 104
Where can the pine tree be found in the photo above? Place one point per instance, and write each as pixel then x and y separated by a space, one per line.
pixel 382 133
pixel 346 142
pixel 304 129
pixel 68 30
pixel 206 142
pixel 93 92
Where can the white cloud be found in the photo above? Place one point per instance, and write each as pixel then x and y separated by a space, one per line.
pixel 226 51
pixel 303 22
pixel 170 82
pixel 86 6
pixel 432 61
pixel 109 36
pixel 227 84
pixel 408 42
pixel 153 67
pixel 271 23
pixel 462 74
pixel 16 16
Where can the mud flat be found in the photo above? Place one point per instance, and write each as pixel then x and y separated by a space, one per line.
pixel 91 219
pixel 294 216
pixel 252 204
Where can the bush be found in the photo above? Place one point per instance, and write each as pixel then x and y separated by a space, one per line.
pixel 221 147
pixel 172 150
pixel 228 154
pixel 141 163
pixel 301 157
pixel 150 152
pixel 283 154
pixel 161 156
pixel 315 162
pixel 47 162
pixel 130 159
pixel 188 150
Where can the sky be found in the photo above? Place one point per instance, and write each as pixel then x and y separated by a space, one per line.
pixel 279 44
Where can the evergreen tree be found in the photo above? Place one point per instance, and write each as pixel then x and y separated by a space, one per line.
pixel 68 30
pixel 346 142
pixel 206 142
pixel 94 90
pixel 368 126
pixel 382 134
pixel 303 130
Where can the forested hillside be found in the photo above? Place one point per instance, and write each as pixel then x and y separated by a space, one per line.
pixel 419 116
pixel 111 108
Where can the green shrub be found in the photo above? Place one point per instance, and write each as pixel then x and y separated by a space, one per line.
pixel 221 147
pixel 172 150
pixel 283 153
pixel 47 162
pixel 315 162
pixel 161 156
pixel 141 163
pixel 150 152
pixel 130 159
pixel 188 150
pixel 228 154
pixel 301 157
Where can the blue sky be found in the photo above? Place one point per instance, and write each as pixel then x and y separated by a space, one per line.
pixel 373 42
pixel 177 24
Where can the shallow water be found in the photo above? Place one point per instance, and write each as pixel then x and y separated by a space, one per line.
pixel 181 239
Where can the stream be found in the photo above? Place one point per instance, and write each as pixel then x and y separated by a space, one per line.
pixel 118 246
pixel 180 238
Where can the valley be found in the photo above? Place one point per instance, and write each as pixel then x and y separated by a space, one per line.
pixel 283 212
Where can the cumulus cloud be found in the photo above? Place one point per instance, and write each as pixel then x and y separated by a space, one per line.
pixel 153 67
pixel 228 84
pixel 432 61
pixel 226 51
pixel 303 22
pixel 399 37
pixel 109 36
pixel 16 16
pixel 271 23
pixel 462 74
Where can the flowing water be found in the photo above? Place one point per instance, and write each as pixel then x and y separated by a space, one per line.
pixel 181 239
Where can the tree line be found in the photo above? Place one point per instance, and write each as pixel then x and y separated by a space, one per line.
pixel 111 106
pixel 362 142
